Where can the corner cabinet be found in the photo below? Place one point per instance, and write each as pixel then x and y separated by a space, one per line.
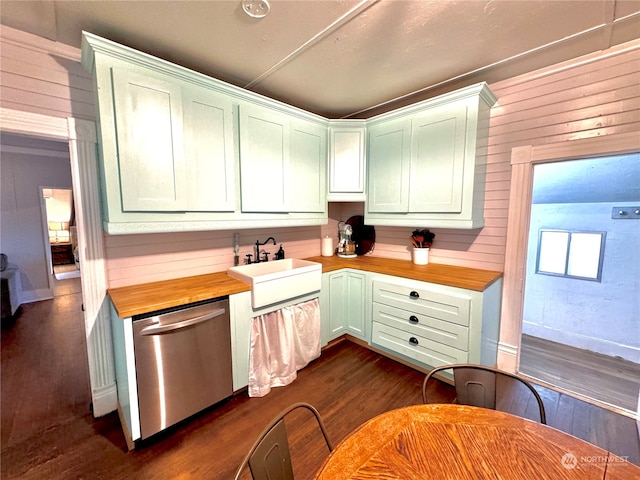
pixel 347 160
pixel 282 162
pixel 426 162
pixel 343 304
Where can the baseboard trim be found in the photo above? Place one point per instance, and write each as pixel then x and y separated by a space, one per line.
pixel 507 357
pixel 105 400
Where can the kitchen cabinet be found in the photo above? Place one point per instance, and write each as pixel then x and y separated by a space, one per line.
pixel 282 162
pixel 431 325
pixel 170 149
pixel 347 303
pixel 347 160
pixel 241 318
pixel 167 145
pixel 425 162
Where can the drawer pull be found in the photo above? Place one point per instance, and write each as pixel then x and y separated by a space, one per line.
pixel 414 319
pixel 413 341
pixel 414 294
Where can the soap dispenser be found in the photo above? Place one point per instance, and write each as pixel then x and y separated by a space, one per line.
pixel 280 253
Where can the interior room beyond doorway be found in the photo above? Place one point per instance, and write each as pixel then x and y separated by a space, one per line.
pixel 581 318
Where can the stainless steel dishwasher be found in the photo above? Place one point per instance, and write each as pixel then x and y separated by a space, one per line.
pixel 183 363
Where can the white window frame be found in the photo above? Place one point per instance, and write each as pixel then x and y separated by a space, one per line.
pixel 558 252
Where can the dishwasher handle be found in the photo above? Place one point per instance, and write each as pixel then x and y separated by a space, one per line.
pixel 158 329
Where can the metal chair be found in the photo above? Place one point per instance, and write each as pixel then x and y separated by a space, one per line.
pixel 269 457
pixel 476 385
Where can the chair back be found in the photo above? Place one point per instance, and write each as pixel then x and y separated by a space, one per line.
pixel 270 458
pixel 476 385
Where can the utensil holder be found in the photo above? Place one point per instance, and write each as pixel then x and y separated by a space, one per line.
pixel 420 256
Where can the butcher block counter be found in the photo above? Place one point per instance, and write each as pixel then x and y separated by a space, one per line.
pixel 462 277
pixel 149 297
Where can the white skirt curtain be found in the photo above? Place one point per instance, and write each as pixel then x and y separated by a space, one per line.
pixel 282 342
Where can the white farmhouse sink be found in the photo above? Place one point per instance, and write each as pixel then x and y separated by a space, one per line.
pixel 279 280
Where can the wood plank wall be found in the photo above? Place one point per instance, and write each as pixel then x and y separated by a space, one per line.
pixel 42 76
pixel 590 96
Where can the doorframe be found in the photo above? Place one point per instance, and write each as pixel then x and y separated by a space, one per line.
pixel 523 159
pixel 82 137
pixel 45 235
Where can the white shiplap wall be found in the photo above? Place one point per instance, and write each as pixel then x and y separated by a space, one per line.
pixel 41 76
pixel 595 95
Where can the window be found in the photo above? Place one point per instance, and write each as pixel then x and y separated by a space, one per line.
pixel 571 254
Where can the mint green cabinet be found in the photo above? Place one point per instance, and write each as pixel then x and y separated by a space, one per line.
pixel 171 143
pixel 438 137
pixel 425 162
pixel 347 160
pixel 347 303
pixel 241 316
pixel 282 162
pixel 430 325
pixel 389 167
pixel 180 151
pixel 149 136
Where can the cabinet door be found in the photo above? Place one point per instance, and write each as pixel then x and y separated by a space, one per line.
pixel 209 152
pixel 347 304
pixel 307 167
pixel 241 319
pixel 389 163
pixel 337 287
pixel 264 160
pixel 148 117
pixel 354 309
pixel 437 160
pixel 346 162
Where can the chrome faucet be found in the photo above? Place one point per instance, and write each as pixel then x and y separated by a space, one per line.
pixel 257 250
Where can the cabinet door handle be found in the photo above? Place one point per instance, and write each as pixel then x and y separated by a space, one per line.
pixel 414 319
pixel 414 294
pixel 413 341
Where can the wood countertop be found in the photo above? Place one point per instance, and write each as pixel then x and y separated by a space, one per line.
pixel 150 297
pixel 453 276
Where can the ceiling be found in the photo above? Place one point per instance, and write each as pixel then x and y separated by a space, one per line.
pixel 344 58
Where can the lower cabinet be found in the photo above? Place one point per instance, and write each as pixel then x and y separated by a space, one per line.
pixel 432 325
pixel 421 323
pixel 344 304
pixel 241 317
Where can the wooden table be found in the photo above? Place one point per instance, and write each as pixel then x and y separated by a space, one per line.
pixel 460 442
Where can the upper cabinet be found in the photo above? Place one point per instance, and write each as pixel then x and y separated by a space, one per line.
pixel 173 143
pixel 282 162
pixel 347 139
pixel 182 151
pixel 426 162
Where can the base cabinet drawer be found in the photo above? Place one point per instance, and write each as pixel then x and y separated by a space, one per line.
pixel 415 347
pixel 449 334
pixel 447 307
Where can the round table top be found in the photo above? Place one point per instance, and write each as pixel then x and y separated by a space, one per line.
pixel 445 441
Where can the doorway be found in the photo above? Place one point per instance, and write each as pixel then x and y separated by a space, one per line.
pixel 581 318
pixel 61 235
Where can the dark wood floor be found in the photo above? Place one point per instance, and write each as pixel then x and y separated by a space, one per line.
pixel 49 432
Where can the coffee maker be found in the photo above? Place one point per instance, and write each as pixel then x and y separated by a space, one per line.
pixel 346 246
